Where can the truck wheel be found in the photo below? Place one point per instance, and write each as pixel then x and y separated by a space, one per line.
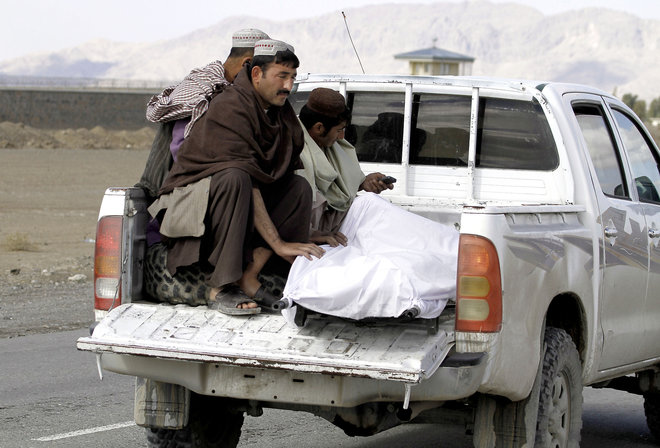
pixel 560 399
pixel 652 411
pixel 168 438
pixel 212 424
pixel 552 413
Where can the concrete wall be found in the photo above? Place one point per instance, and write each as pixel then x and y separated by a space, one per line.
pixel 63 109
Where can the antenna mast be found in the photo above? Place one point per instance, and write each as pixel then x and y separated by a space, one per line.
pixel 349 36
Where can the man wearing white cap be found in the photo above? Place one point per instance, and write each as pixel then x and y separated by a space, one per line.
pixel 239 160
pixel 180 106
pixel 190 97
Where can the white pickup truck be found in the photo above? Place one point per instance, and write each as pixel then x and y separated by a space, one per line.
pixel 554 189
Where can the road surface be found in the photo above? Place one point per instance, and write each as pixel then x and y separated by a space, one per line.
pixel 51 396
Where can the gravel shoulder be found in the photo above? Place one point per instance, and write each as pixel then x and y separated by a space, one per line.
pixel 49 203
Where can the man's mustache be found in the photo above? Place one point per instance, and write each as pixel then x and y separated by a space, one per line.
pixel 285 91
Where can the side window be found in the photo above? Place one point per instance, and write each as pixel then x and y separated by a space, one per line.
pixel 602 149
pixel 376 127
pixel 442 130
pixel 643 161
pixel 514 134
pixel 511 134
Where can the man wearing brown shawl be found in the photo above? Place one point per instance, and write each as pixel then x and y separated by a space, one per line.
pixel 178 107
pixel 234 175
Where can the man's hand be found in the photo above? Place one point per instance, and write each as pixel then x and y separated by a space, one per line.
pixel 333 239
pixel 289 251
pixel 267 230
pixel 373 184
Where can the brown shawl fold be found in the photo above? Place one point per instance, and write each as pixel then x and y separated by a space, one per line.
pixel 236 132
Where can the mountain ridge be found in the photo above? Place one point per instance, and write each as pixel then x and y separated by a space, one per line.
pixel 607 49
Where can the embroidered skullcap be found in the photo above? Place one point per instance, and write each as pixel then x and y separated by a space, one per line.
pixel 326 102
pixel 246 38
pixel 270 47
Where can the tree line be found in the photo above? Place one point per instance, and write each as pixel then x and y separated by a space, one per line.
pixel 644 112
pixel 640 108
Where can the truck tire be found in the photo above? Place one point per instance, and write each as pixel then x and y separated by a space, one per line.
pixel 212 424
pixel 551 414
pixel 187 285
pixel 652 411
pixel 168 438
pixel 559 418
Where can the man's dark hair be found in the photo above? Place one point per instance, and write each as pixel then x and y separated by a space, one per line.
pixel 309 118
pixel 285 57
pixel 241 52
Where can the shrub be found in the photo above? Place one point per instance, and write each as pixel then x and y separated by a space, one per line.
pixel 18 241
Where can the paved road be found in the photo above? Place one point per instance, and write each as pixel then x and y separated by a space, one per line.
pixel 50 396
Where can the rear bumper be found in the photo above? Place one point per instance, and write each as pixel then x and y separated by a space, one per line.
pixel 458 377
pixel 328 362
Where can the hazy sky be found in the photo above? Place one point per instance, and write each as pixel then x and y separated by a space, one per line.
pixel 31 26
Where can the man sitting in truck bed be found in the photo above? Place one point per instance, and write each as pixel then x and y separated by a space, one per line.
pixel 331 165
pixel 239 162
pixel 179 107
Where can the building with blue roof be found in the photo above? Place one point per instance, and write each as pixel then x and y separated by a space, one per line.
pixel 436 61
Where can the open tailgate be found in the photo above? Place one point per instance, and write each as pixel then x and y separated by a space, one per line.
pixel 398 351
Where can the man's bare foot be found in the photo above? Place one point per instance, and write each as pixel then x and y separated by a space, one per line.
pixel 250 285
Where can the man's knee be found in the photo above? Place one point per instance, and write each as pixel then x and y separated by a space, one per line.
pixel 232 176
pixel 231 179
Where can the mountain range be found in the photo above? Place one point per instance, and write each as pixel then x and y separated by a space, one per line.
pixel 615 51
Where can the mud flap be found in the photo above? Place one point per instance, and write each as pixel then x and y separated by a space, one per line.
pixel 161 405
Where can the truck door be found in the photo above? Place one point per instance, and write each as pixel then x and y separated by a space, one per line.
pixel 643 158
pixel 623 241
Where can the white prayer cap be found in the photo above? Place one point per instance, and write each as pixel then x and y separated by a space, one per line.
pixel 270 47
pixel 247 37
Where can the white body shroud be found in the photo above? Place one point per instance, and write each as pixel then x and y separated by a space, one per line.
pixel 394 261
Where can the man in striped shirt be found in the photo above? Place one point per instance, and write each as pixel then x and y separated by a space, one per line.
pixel 232 199
pixel 179 106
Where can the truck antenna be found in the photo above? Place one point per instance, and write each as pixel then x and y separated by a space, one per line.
pixel 349 36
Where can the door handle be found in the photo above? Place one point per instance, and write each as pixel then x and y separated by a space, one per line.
pixel 611 232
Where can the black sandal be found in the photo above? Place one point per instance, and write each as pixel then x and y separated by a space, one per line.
pixel 229 298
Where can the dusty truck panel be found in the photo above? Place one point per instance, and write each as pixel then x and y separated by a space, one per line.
pixel 542 252
pixel 337 389
pixel 554 190
pixel 359 363
pixel 397 352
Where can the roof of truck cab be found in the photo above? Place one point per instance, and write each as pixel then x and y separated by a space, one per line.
pixel 513 84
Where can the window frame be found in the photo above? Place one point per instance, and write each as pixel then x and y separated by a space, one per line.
pixel 483 99
pixel 350 96
pixel 472 184
pixel 650 143
pixel 621 157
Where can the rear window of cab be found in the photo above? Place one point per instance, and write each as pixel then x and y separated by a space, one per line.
pixel 511 134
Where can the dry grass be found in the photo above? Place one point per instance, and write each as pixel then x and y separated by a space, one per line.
pixel 17 242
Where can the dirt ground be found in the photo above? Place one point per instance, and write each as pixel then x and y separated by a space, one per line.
pixel 20 136
pixel 49 202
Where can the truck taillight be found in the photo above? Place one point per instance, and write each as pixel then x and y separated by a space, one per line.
pixel 107 263
pixel 478 286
